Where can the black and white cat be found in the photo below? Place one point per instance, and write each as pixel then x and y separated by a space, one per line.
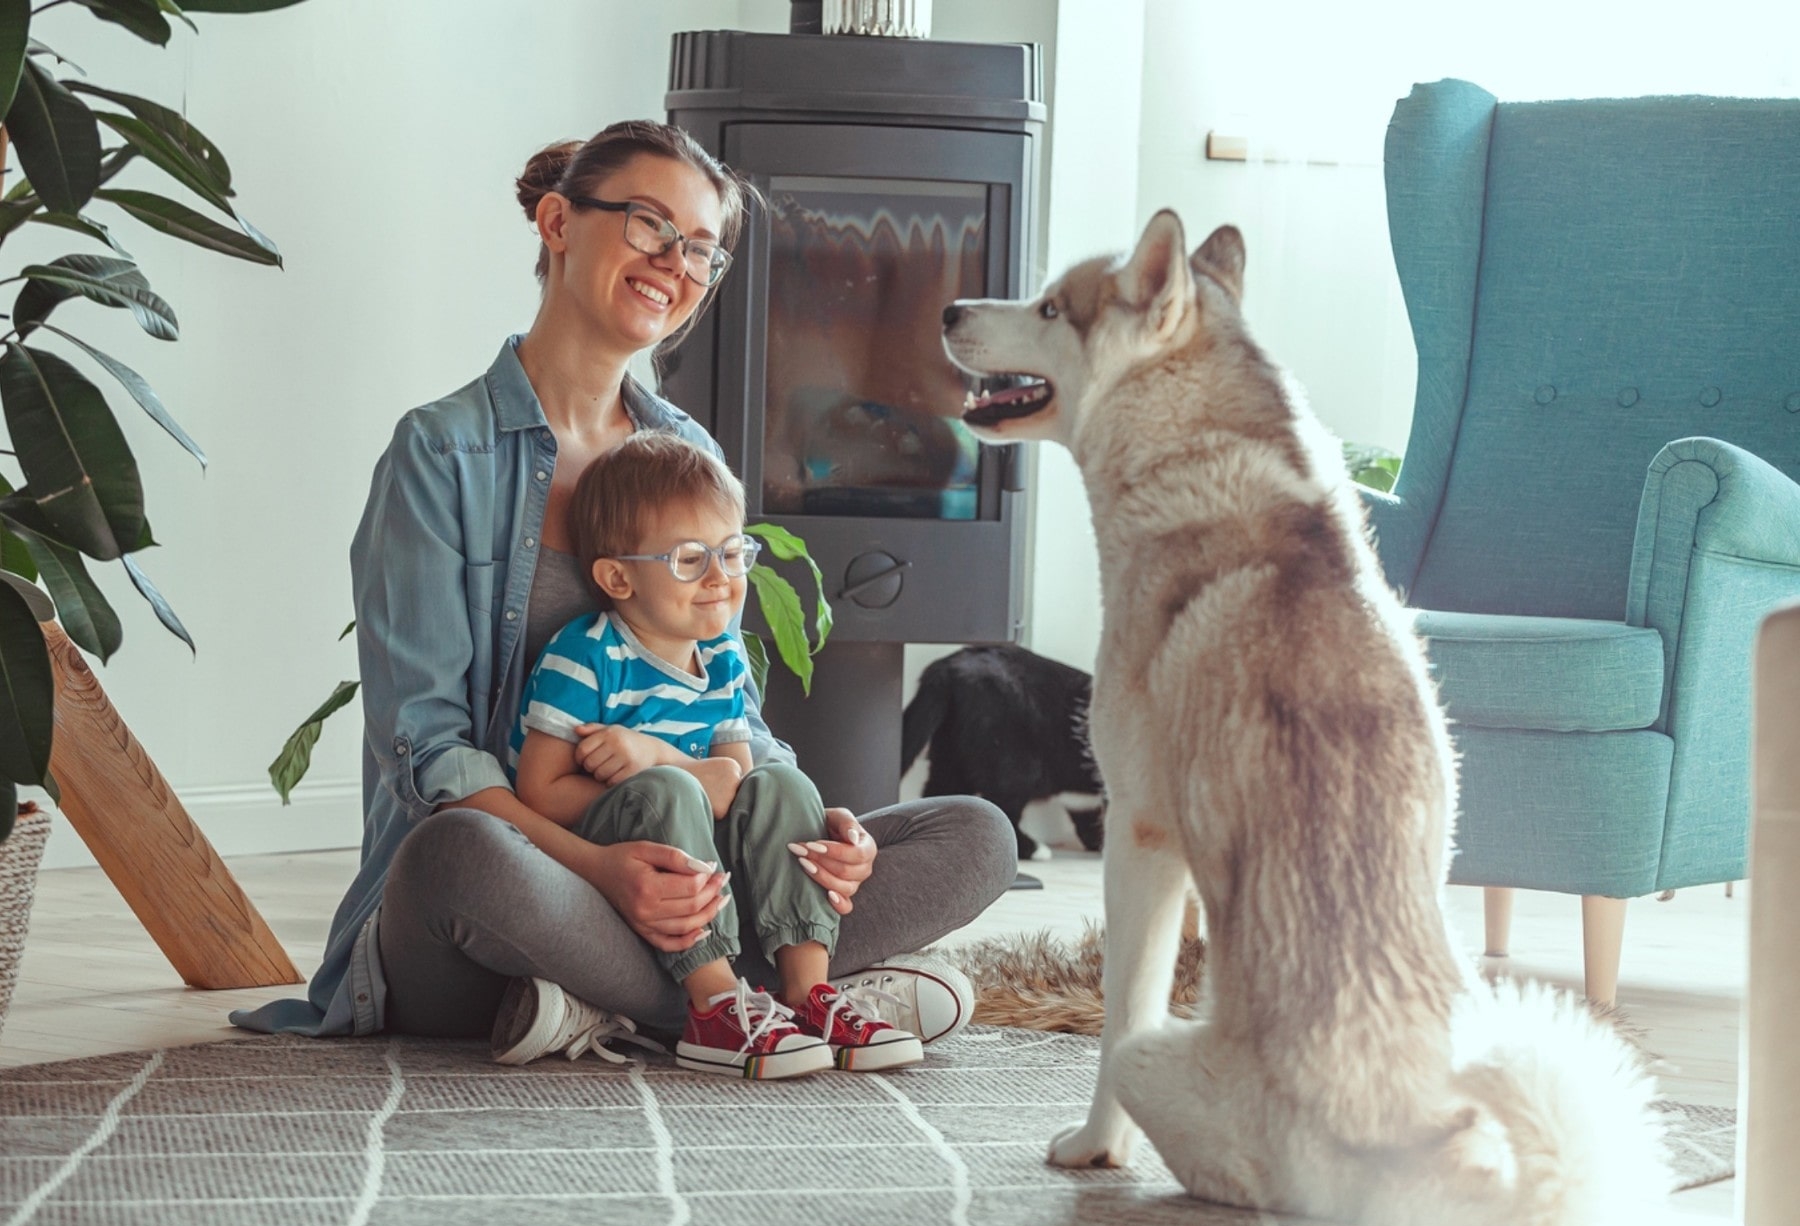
pixel 1008 725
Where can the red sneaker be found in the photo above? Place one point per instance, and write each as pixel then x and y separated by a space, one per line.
pixel 750 1035
pixel 860 1042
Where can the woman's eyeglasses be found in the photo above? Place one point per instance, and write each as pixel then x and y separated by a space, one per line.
pixel 650 232
pixel 690 560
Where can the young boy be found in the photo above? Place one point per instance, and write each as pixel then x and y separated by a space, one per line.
pixel 660 523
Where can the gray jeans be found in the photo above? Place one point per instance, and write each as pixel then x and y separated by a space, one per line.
pixel 470 903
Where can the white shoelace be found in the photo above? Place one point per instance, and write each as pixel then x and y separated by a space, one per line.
pixel 863 1002
pixel 588 1029
pixel 758 1013
pixel 881 1005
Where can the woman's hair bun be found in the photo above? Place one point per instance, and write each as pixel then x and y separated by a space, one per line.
pixel 543 173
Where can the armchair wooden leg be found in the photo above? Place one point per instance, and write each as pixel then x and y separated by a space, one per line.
pixel 1497 906
pixel 1602 938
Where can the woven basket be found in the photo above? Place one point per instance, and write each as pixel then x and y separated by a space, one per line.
pixel 19 856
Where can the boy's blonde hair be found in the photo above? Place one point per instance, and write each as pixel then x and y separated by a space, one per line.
pixel 625 488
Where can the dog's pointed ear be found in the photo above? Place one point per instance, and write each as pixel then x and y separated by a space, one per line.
pixel 1221 257
pixel 1156 279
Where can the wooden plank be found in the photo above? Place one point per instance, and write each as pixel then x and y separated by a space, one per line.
pixel 125 811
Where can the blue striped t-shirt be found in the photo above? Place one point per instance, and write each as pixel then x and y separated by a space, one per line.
pixel 595 671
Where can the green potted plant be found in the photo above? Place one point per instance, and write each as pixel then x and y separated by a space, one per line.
pixel 69 488
pixel 777 600
pixel 1371 465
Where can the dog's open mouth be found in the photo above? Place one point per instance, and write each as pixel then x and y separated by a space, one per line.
pixel 1003 397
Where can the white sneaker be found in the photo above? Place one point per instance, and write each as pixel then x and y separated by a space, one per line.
pixel 926 994
pixel 536 1017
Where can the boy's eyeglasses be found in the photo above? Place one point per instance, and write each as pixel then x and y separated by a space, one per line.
pixel 690 560
pixel 650 232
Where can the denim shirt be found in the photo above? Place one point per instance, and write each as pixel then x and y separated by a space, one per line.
pixel 441 569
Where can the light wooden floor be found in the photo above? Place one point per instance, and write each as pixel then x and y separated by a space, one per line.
pixel 92 981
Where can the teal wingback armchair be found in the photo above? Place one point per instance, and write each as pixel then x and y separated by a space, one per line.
pixel 1597 502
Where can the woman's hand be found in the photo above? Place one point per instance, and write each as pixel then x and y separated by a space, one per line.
pixel 842 863
pixel 613 754
pixel 667 896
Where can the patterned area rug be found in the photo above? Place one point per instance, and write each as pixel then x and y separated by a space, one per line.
pixel 284 1132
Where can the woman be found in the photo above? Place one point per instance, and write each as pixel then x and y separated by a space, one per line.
pixel 461 572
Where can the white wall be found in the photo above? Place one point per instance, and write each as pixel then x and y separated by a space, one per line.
pixel 1315 79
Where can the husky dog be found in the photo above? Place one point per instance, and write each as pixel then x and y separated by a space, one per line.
pixel 1264 722
pixel 1008 725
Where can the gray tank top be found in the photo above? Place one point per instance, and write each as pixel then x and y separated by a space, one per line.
pixel 559 594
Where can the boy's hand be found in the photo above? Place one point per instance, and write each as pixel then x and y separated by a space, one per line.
pixel 612 754
pixel 841 863
pixel 720 777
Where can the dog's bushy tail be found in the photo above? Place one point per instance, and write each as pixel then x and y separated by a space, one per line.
pixel 1566 1135
pixel 924 713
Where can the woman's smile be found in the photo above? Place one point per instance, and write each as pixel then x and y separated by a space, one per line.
pixel 654 294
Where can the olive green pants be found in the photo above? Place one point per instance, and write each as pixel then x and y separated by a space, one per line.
pixel 773 896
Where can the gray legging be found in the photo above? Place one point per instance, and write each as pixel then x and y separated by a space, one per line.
pixel 470 903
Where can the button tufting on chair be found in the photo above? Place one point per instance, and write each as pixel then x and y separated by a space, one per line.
pixel 1559 546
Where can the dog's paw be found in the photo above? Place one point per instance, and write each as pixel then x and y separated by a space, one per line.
pixel 1040 852
pixel 1077 1145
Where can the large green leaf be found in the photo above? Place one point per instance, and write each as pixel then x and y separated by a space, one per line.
pixel 164 613
pixel 80 607
pixel 15 38
pixel 112 161
pixel 57 139
pixel 171 217
pixel 78 467
pixel 789 548
pixel 111 282
pixel 168 157
pixel 21 204
pixel 201 155
pixel 15 213
pixel 21 511
pixel 27 692
pixel 780 605
pixel 759 663
pixel 140 390
pixel 291 764
pixel 174 10
pixel 36 599
pixel 1372 465
pixel 142 17
pixel 236 6
pixel 81 225
pixel 34 47
pixel 37 298
pixel 14 556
